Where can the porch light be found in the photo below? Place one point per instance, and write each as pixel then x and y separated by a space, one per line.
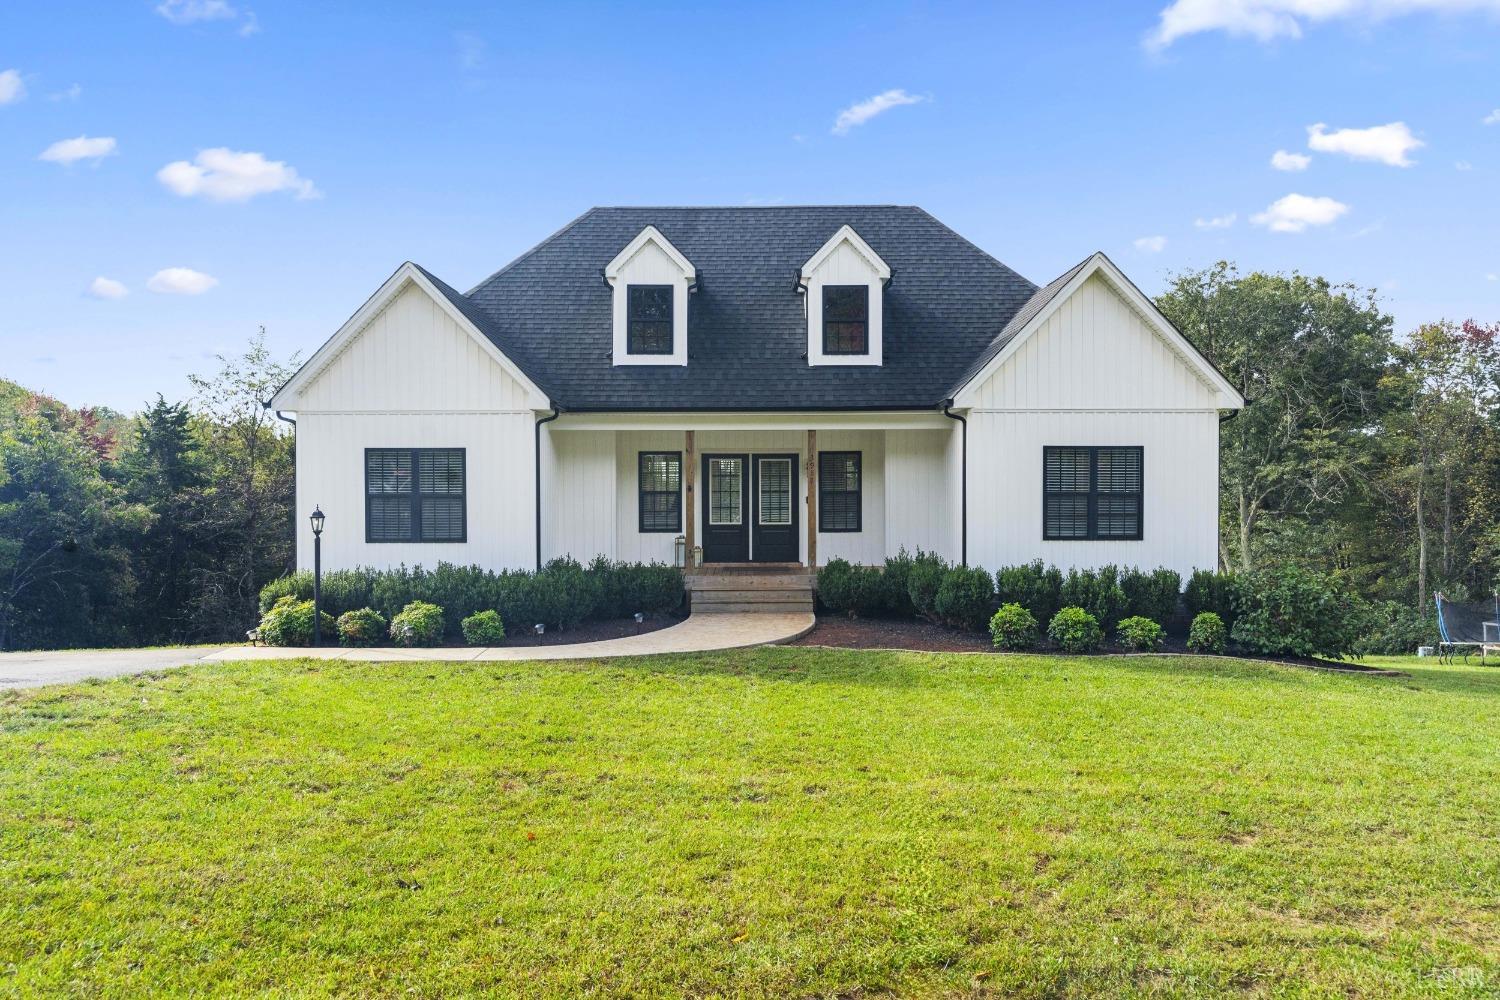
pixel 679 552
pixel 697 555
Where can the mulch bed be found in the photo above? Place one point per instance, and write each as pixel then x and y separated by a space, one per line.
pixel 614 628
pixel 925 636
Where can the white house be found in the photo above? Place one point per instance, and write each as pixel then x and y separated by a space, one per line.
pixel 776 385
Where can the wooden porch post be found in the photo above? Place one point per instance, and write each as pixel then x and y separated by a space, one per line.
pixel 812 499
pixel 689 477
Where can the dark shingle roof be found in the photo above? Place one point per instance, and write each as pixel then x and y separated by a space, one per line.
pixel 947 305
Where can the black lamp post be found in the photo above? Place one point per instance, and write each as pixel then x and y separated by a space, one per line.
pixel 317 525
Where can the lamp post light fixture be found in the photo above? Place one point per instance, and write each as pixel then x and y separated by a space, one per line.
pixel 540 630
pixel 639 618
pixel 317 519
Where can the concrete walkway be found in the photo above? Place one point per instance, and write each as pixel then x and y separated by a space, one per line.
pixel 67 666
pixel 699 633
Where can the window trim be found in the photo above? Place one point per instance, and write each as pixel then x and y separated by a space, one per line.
pixel 641 491
pixel 833 352
pixel 415 496
pixel 631 320
pixel 859 492
pixel 1092 533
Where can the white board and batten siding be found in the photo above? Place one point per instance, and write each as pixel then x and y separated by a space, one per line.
pixel 1095 373
pixel 413 378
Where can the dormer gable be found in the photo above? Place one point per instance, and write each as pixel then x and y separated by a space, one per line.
pixel 651 280
pixel 845 287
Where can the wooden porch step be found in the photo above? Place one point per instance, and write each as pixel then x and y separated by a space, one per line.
pixel 756 608
pixel 768 582
pixel 751 593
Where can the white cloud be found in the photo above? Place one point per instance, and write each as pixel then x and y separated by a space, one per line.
pixel 1282 160
pixel 222 174
pixel 1296 212
pixel 12 87
pixel 82 148
pixel 107 288
pixel 71 94
pixel 198 11
pixel 1217 221
pixel 1493 118
pixel 1387 144
pixel 1151 244
pixel 1268 20
pixel 181 281
pixel 1492 277
pixel 858 114
pixel 193 11
pixel 1464 165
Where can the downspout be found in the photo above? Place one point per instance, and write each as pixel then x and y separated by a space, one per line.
pixel 293 422
pixel 556 412
pixel 964 478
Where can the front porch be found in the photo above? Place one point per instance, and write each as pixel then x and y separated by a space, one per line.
pixel 780 491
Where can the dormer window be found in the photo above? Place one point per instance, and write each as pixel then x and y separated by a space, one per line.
pixel 651 280
pixel 845 287
pixel 650 319
pixel 846 319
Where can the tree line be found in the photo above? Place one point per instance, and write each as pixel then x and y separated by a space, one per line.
pixel 1365 455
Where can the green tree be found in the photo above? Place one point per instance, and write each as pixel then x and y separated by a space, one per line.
pixel 1443 391
pixel 164 472
pixel 64 570
pixel 1308 356
pixel 249 500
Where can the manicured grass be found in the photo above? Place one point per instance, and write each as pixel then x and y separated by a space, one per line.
pixel 778 822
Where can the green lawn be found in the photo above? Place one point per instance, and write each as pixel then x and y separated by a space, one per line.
pixel 778 822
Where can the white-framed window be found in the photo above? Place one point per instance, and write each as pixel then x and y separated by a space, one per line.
pixel 844 283
pixel 650 279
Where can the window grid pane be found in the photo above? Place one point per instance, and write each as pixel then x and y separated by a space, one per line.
pixel 839 494
pixel 660 491
pixel 846 319
pixel 649 319
pixel 775 491
pixel 726 477
pixel 415 495
pixel 1092 493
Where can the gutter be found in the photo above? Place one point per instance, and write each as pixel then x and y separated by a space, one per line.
pixel 556 412
pixel 964 488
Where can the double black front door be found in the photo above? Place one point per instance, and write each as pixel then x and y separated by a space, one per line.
pixel 749 508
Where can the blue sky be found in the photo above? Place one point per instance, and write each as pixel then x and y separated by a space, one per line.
pixel 353 136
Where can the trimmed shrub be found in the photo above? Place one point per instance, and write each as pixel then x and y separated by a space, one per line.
pixel 1151 595
pixel 966 597
pixel 1075 631
pixel 858 591
pixel 605 589
pixel 1097 591
pixel 896 579
pixel 1013 628
pixel 1389 628
pixel 1139 634
pixel 922 583
pixel 290 623
pixel 483 628
pixel 361 627
pixel 1207 634
pixel 1035 587
pixel 418 624
pixel 1209 590
pixel 1290 611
